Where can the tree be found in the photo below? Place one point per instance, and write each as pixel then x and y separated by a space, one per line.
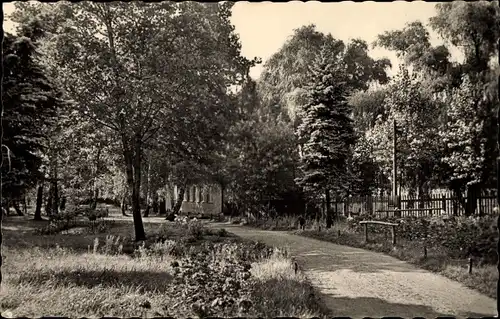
pixel 367 106
pixel 412 44
pixel 29 106
pixel 472 28
pixel 464 143
pixel 146 71
pixel 265 160
pixel 326 131
pixel 285 77
pixel 366 172
pixel 417 119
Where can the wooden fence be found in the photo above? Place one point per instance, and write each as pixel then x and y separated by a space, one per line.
pixel 434 204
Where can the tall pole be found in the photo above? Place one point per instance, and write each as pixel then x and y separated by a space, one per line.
pixel 498 167
pixel 394 165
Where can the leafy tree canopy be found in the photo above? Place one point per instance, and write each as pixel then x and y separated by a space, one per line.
pixel 286 74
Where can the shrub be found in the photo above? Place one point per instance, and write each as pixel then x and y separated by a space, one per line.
pixel 112 245
pixel 195 229
pixel 222 232
pixel 94 214
pixel 51 229
pixel 460 237
pixel 211 283
pixel 209 279
pixel 98 227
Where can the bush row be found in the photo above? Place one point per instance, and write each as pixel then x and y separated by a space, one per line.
pixel 210 278
pixel 460 236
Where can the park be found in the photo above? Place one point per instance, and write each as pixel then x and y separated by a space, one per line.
pixel 149 171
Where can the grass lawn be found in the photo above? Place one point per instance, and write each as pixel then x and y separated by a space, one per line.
pixel 182 270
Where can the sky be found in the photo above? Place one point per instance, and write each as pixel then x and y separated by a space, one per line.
pixel 265 26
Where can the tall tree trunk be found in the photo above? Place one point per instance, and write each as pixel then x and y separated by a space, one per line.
pixel 222 189
pixel 25 206
pixel 461 200
pixel 146 212
pixel 123 205
pixel 18 210
pixel 155 202
pixel 55 198
pixel 39 201
pixel 147 190
pixel 136 193
pixel 328 201
pixel 472 195
pixel 95 192
pixel 163 206
pixel 411 196
pixel 328 214
pixel 95 198
pixel 50 199
pixel 178 202
pixel 63 203
pixel 133 168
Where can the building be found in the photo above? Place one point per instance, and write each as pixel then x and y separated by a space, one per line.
pixel 198 199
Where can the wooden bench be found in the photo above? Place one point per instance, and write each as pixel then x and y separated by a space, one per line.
pixel 376 222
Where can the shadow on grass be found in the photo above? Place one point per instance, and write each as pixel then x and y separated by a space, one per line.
pixel 144 281
pixel 375 307
pixel 19 233
pixel 275 296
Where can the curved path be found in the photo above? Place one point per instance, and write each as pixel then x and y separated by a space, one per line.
pixel 360 283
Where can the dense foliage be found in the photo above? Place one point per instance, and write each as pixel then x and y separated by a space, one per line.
pixel 460 237
pixel 29 108
pixel 285 77
pixel 162 98
pixel 326 134
pixel 144 96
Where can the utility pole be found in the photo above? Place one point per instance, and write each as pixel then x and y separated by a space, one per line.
pixel 394 165
pixel 498 169
pixel 397 202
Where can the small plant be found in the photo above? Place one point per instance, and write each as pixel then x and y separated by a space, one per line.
pixel 97 227
pixel 94 214
pixel 96 245
pixel 222 232
pixel 195 229
pixel 112 245
pixel 161 249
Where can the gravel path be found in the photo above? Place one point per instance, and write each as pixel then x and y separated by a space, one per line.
pixel 358 283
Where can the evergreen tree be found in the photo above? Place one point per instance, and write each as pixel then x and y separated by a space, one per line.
pixel 29 103
pixel 326 133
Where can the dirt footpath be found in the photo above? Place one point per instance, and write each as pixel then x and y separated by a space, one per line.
pixel 358 283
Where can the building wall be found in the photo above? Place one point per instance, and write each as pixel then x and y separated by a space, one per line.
pixel 198 199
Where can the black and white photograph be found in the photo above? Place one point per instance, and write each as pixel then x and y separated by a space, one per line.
pixel 298 159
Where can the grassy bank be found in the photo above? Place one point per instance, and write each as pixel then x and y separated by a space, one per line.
pixel 183 269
